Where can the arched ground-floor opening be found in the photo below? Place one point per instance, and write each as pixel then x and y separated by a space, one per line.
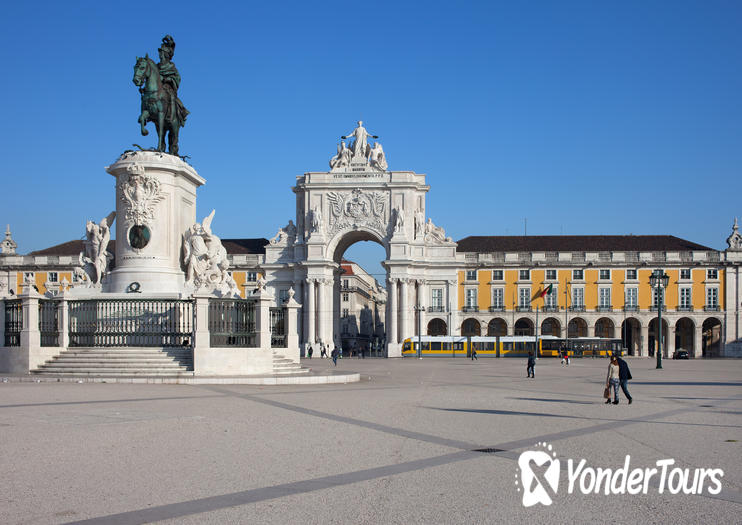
pixel 604 327
pixel 653 338
pixel 685 331
pixel 497 327
pixel 471 327
pixel 577 327
pixel 437 327
pixel 551 326
pixel 631 335
pixel 711 337
pixel 523 326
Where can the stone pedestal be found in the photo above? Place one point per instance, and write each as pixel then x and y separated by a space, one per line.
pixel 155 204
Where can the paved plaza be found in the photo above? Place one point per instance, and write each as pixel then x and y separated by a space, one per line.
pixel 397 447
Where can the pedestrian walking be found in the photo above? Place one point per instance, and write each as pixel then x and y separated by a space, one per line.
pixel 334 355
pixel 612 380
pixel 530 365
pixel 323 352
pixel 474 354
pixel 624 376
pixel 310 352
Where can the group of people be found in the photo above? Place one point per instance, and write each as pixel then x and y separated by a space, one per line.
pixel 618 375
pixel 334 355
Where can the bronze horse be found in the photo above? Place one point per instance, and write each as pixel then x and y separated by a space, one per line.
pixel 156 104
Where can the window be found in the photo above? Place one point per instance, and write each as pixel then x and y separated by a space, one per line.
pixel 471 275
pixel 524 275
pixel 471 297
pixel 52 277
pixel 252 277
pixel 712 274
pixel 578 297
pixel 346 312
pixel 654 298
pixel 346 297
pixel 551 275
pixel 605 275
pixel 524 297
pixel 632 295
pixel 550 300
pixel 631 275
pixel 685 273
pixel 498 297
pixel 577 275
pixel 685 297
pixel 345 284
pixel 283 295
pixel 497 275
pixel 712 297
pixel 604 297
pixel 436 298
pixel 28 275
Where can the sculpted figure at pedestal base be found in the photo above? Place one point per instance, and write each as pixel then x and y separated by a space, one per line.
pixel 95 259
pixel 205 259
pixel 435 233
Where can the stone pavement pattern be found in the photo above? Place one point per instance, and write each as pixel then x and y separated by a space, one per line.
pixel 394 448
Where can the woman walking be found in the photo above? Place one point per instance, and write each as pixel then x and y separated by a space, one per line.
pixel 612 380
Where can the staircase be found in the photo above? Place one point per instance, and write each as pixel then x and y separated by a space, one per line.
pixel 145 361
pixel 285 366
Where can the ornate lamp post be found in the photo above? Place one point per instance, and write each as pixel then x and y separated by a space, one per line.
pixel 659 279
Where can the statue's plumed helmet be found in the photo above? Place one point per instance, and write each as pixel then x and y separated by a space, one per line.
pixel 168 46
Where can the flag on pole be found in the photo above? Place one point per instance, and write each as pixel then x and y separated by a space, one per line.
pixel 541 293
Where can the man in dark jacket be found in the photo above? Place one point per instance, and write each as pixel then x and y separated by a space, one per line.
pixel 624 374
pixel 530 365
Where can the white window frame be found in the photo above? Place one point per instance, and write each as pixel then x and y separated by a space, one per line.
pixel 578 276
pixel 550 299
pixel 712 274
pixel 346 297
pixel 52 277
pixel 712 296
pixel 686 297
pixel 501 275
pixel 551 278
pixel 527 275
pixel 436 297
pixel 471 275
pixel 604 297
pixel 251 277
pixel 631 296
pixel 470 297
pixel 690 274
pixel 600 274
pixel 524 296
pixel 498 293
pixel 636 274
pixel 578 292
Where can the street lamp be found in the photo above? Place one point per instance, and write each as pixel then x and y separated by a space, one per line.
pixel 659 279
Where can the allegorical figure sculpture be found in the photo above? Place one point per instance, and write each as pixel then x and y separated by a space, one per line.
pixel 204 257
pixel 360 140
pixel 158 85
pixel 95 258
pixel 342 158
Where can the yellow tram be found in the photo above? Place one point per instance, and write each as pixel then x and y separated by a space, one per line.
pixel 509 346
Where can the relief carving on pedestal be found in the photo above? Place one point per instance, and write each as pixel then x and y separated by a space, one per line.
pixel 140 192
pixel 351 210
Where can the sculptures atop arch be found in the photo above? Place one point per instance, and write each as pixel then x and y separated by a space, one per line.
pixel 359 152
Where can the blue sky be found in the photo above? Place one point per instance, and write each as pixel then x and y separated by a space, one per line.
pixel 583 117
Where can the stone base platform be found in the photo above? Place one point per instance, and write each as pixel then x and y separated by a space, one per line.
pixel 188 378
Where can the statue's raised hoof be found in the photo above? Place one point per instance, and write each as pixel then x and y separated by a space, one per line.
pixel 145 132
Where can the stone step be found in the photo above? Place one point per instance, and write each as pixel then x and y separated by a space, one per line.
pixel 94 364
pixel 83 372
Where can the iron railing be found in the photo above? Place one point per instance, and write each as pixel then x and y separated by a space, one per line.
pixel 438 308
pixel 48 322
pixel 470 309
pixel 232 323
pixel 278 327
pixel 13 322
pixel 711 308
pixel 498 308
pixel 131 322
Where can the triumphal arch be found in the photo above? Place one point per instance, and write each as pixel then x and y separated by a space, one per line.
pixel 360 199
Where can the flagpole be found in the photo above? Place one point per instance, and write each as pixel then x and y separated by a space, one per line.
pixel 537 352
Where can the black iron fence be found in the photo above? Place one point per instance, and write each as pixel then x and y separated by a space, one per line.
pixel 278 327
pixel 49 322
pixel 13 322
pixel 131 322
pixel 232 323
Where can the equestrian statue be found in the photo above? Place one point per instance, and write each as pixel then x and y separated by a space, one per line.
pixel 158 84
